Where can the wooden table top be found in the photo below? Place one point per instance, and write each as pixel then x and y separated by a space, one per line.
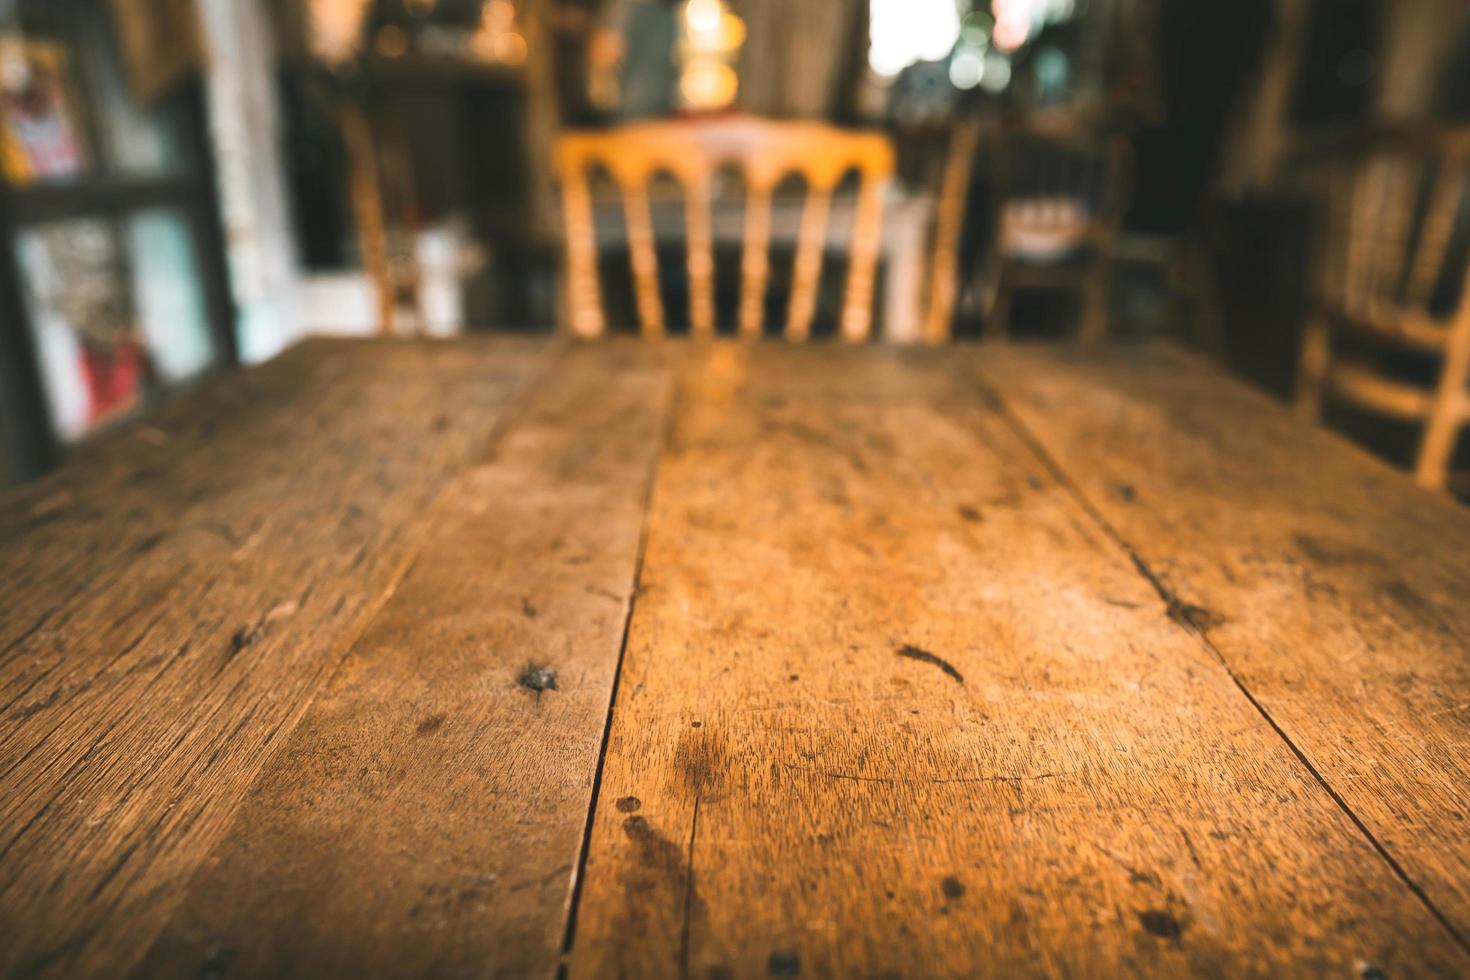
pixel 977 661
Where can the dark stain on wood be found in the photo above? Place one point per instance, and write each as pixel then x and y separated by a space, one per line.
pixel 655 851
pixel 702 762
pixel 538 679
pixel 783 964
pixel 1200 619
pixel 1325 552
pixel 148 544
pixel 1158 922
pixel 244 637
pixel 629 804
pixel 216 965
pixel 1408 599
pixel 1195 618
pixel 430 725
pixel 924 656
pixel 952 887
pixel 815 436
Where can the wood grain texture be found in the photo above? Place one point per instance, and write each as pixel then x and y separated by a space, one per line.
pixel 942 663
pixel 67 533
pixel 431 804
pixel 894 704
pixel 172 602
pixel 1337 592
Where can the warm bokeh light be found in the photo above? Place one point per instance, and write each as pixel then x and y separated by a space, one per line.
pixel 710 42
pixel 497 39
pixel 336 28
pixel 703 16
pixel 391 42
pixel 708 84
pixel 510 48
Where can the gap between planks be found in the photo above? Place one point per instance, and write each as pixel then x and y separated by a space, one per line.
pixel 1186 616
pixel 666 431
pixel 578 431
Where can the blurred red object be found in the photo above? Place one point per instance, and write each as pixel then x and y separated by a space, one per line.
pixel 114 379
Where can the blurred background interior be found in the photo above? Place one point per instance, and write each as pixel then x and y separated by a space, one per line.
pixel 191 185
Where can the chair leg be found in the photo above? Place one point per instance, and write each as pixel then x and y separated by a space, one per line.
pixel 1432 469
pixel 1447 413
pixel 1312 371
pixel 1096 295
pixel 998 317
pixel 1196 283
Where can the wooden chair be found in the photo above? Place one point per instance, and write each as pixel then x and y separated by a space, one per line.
pixel 1390 270
pixel 692 151
pixel 381 187
pixel 949 225
pixel 1058 195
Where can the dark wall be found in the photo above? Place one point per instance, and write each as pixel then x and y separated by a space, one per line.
pixel 1209 53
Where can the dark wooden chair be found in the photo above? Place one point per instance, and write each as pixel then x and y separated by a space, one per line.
pixel 1390 271
pixel 1059 187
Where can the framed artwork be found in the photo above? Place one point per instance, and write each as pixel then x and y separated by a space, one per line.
pixel 42 136
pixel 117 311
pixel 114 288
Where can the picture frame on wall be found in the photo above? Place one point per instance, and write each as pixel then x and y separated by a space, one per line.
pixel 42 132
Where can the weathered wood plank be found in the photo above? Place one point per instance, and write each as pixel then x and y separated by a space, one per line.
pixel 1337 592
pixel 68 533
pixel 892 705
pixel 72 532
pixel 172 615
pixel 427 815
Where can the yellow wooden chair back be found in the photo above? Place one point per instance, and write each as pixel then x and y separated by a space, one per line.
pixel 692 151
